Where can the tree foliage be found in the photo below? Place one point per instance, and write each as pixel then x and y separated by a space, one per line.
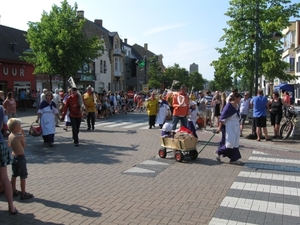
pixel 195 80
pixel 249 18
pixel 58 45
pixel 155 73
pixel 159 77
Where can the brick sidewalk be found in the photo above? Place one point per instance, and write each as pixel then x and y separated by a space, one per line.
pixel 87 185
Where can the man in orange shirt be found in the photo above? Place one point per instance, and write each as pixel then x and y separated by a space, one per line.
pixel 180 107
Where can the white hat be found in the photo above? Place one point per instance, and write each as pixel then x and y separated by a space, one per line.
pixel 167 127
pixel 193 103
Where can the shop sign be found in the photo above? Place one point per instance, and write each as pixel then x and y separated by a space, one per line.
pixel 13 71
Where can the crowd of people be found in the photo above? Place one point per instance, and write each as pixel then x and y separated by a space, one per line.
pixel 226 113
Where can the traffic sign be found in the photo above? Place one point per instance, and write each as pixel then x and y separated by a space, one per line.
pixel 130 94
pixel 145 88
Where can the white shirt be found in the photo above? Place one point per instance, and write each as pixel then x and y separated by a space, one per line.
pixel 244 106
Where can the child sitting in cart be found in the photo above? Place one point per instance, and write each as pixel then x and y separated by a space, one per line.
pixel 167 130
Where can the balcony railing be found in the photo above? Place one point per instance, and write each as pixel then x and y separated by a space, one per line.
pixel 117 51
pixel 117 73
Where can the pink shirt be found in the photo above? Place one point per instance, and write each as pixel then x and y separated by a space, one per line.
pixel 10 105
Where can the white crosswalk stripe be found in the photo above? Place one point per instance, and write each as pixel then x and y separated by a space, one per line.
pixel 275 160
pixel 134 125
pixel 266 188
pixel 261 206
pixel 117 124
pixel 269 186
pixel 138 124
pixel 121 124
pixel 268 176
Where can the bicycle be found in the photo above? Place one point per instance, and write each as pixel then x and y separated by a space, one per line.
pixel 287 128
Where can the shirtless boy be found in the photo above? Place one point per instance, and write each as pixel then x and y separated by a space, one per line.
pixel 16 140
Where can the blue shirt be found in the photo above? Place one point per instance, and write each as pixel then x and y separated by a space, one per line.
pixel 259 106
pixel 22 95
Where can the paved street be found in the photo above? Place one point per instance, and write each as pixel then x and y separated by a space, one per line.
pixel 116 177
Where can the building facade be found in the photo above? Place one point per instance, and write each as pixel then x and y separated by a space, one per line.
pixel 291 55
pixel 15 74
pixel 194 68
pixel 115 70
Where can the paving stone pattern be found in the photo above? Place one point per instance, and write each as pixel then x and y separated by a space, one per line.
pixel 89 184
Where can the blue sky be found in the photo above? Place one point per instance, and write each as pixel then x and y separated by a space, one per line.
pixel 184 32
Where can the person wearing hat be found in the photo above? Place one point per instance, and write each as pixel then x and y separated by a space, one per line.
pixel 90 107
pixel 202 107
pixel 192 117
pixel 162 111
pixel 46 117
pixel 74 104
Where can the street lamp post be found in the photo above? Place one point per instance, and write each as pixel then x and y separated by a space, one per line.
pixel 145 60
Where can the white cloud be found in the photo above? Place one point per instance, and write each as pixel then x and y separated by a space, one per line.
pixel 163 28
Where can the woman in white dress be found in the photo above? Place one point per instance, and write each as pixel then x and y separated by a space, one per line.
pixel 67 118
pixel 162 112
pixel 46 114
pixel 230 126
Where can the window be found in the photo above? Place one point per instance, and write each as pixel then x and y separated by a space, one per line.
pixel 105 67
pixel 92 68
pixel 18 86
pixel 118 64
pixel 292 64
pixel 101 66
pixel 87 68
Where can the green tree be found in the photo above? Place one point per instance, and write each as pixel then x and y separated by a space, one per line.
pixel 249 18
pixel 58 44
pixel 175 73
pixel 223 72
pixel 155 73
pixel 195 80
pixel 212 85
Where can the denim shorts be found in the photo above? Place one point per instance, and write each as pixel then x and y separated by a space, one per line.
pixel 19 167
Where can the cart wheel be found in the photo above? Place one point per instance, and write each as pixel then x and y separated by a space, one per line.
pixel 178 156
pixel 193 154
pixel 162 152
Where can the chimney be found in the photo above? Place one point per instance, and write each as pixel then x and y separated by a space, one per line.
pixel 125 40
pixel 146 46
pixel 80 14
pixel 98 22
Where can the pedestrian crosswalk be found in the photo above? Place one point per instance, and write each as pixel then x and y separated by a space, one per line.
pixel 121 124
pixel 267 191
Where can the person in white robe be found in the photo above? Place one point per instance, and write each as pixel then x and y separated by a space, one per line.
pixel 46 114
pixel 163 111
